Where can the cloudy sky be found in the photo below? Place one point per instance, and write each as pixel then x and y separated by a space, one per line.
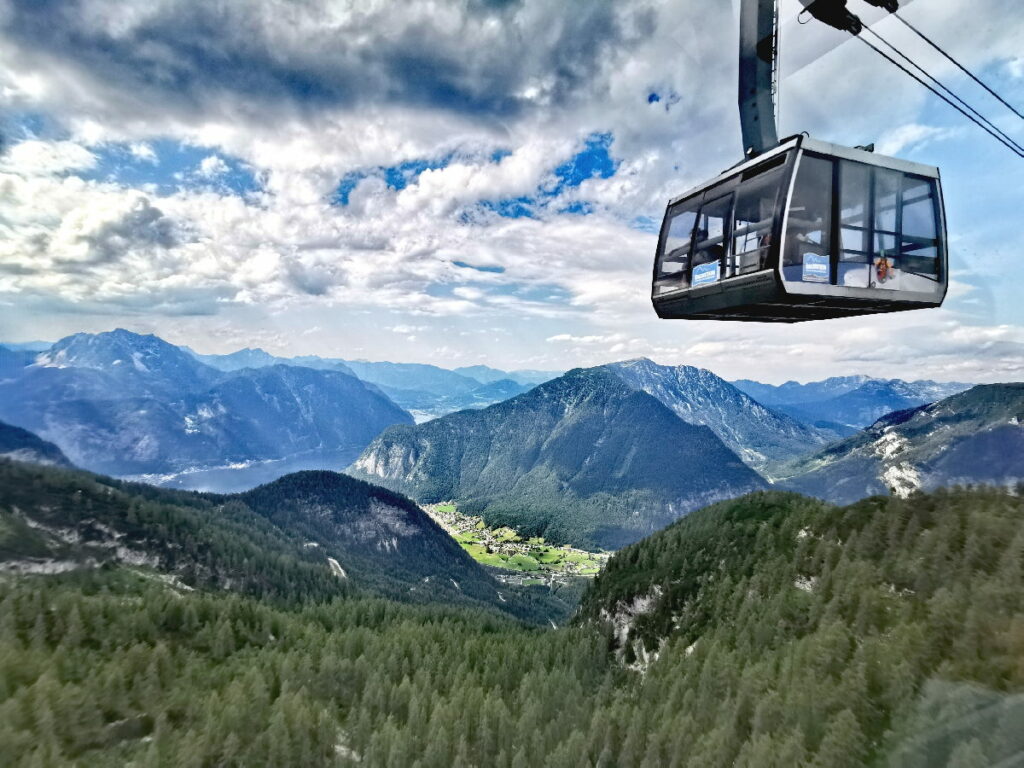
pixel 462 183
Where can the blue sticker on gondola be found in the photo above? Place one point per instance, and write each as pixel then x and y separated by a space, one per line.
pixel 815 268
pixel 703 274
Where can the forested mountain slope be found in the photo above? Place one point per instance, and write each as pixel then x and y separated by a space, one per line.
pixel 306 536
pixel 779 630
pixel 583 459
pixel 374 533
pixel 21 445
pixel 55 520
pixel 788 634
pixel 976 436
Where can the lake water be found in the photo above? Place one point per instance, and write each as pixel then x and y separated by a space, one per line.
pixel 235 478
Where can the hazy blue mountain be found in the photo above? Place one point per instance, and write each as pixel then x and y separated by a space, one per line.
pixel 757 434
pixel 21 445
pixel 487 375
pixel 416 377
pixel 14 361
pixel 795 392
pixel 976 436
pixel 126 404
pixel 235 361
pixel 427 405
pixel 133 362
pixel 531 376
pixel 848 403
pixel 28 346
pixel 258 358
pixel 426 390
pixel 583 459
pixel 482 373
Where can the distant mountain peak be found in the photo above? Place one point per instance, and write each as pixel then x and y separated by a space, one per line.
pixel 582 458
pixel 757 434
pixel 140 362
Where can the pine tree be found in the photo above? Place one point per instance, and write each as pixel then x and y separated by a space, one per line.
pixel 843 745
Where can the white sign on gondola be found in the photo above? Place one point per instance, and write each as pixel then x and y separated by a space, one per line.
pixel 704 274
pixel 815 268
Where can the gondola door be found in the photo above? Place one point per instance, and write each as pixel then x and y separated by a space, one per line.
pixel 711 242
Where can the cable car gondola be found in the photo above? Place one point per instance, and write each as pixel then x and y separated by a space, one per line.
pixel 803 229
pixel 807 231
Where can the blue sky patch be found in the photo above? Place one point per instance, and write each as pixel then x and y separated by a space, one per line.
pixel 397 177
pixel 512 208
pixel 645 224
pixel 593 161
pixel 579 207
pixel 170 166
pixel 18 126
pixel 465 265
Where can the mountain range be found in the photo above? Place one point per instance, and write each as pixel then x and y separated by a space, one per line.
pixel 845 404
pixel 973 437
pixel 576 459
pixel 426 391
pixel 582 459
pixel 126 404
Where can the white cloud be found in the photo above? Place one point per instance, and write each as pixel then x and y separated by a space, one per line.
pixel 141 150
pixel 912 135
pixel 34 157
pixel 212 166
pixel 533 80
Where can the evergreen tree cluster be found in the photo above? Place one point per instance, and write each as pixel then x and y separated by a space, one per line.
pixel 271 542
pixel 773 630
pixel 106 668
pixel 793 632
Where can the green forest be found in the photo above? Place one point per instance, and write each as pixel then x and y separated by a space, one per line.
pixel 772 630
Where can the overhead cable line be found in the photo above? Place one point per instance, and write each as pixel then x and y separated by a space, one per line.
pixel 1012 146
pixel 1001 134
pixel 964 69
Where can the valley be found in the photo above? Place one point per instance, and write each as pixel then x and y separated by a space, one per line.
pixel 522 561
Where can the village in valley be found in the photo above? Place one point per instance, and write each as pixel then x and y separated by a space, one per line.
pixel 521 561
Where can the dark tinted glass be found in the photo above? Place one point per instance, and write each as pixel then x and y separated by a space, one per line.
pixel 753 221
pixel 806 252
pixel 674 257
pixel 709 248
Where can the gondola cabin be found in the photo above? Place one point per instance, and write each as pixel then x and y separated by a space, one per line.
pixel 806 231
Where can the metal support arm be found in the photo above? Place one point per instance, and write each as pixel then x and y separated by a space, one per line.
pixel 757 68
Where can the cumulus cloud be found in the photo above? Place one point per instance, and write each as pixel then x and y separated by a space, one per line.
pixel 212 166
pixel 40 158
pixel 485 100
pixel 897 140
pixel 140 150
